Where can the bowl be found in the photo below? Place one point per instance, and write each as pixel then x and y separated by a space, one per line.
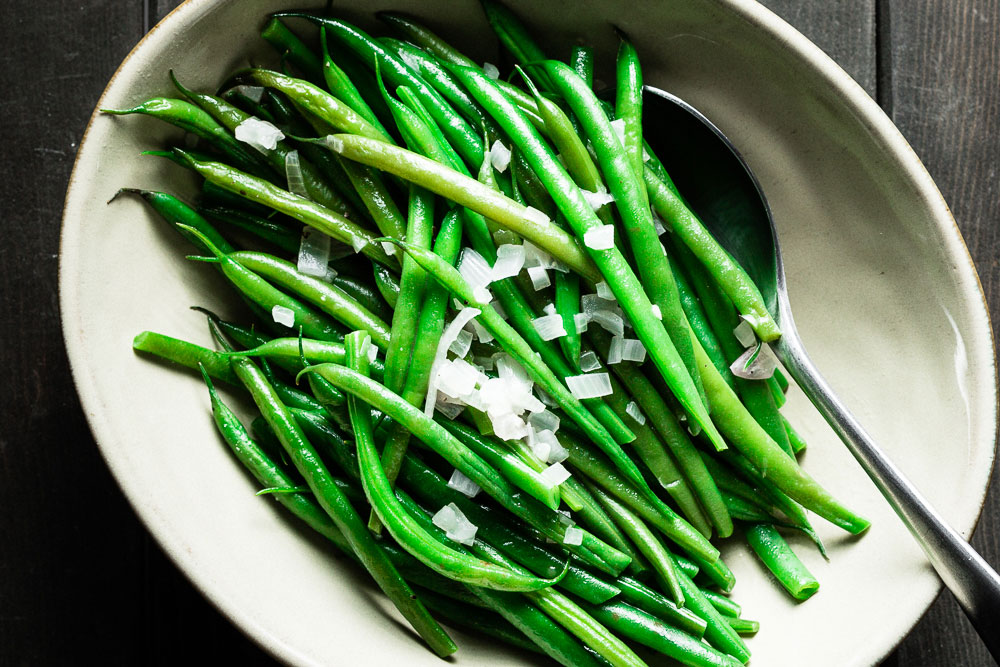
pixel 884 291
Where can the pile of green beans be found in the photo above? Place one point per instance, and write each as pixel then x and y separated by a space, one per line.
pixel 407 158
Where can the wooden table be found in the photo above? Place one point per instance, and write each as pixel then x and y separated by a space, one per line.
pixel 81 580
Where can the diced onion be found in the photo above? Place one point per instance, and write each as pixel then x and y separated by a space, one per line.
pixel 499 156
pixel 539 277
pixel 597 199
pixel 615 351
pixel 389 248
pixel 536 216
pixel 555 474
pixel 633 350
pixel 259 133
pixel 604 291
pixel 656 312
pixel 591 385
pixel 549 327
pixel 509 427
pixel 510 261
pixel 454 523
pixel 618 125
pixel 450 409
pixel 744 334
pixel 633 411
pixel 448 337
pixel 600 238
pixel 282 315
pixel 314 253
pixel 476 270
pixel 581 320
pixel 589 361
pixel 490 70
pixel 482 296
pixel 460 346
pixel 658 224
pixel 544 420
pixel 573 536
pixel 293 174
pixel 482 333
pixel 252 93
pixel 610 322
pixel 456 378
pixel 463 484
pixel 761 368
pixel 509 369
pixel 358 243
pixel 549 309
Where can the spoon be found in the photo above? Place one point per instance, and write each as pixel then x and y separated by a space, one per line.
pixel 722 190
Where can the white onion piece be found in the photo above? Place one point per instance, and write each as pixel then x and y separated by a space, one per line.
pixel 463 484
pixel 557 453
pixel 456 526
pixel 282 315
pixel 539 277
pixel 481 332
pixel 449 409
pixel 509 427
pixel 658 224
pixel 371 350
pixel 549 309
pixel 544 420
pixel 510 261
pixel 573 536
pixel 744 334
pixel 633 350
pixel 495 395
pixel 490 70
pixel 597 199
pixel 484 363
pixel 499 156
pixel 589 361
pixel 358 243
pixel 656 312
pixel 646 157
pixel 536 216
pixel 389 248
pixel 529 402
pixel 314 253
pixel 259 133
pixel 509 369
pixel 591 385
pixel 334 143
pixel 618 125
pixel 633 411
pixel 760 368
pixel 604 291
pixel 535 256
pixel 456 378
pixel 565 518
pixel 448 337
pixel 555 474
pixel 663 248
pixel 475 269
pixel 615 350
pixel 482 296
pixel 252 93
pixel 540 449
pixel 601 237
pixel 293 174
pixel 580 321
pixel 611 322
pixel 460 346
pixel 549 327
pixel 545 398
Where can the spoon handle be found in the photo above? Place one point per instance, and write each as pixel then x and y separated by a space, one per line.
pixel 967 575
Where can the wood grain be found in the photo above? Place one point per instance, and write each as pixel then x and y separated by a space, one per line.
pixel 80 579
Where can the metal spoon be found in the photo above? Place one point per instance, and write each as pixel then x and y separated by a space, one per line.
pixel 722 190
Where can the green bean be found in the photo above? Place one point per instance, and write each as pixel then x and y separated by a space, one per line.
pixel 743 626
pixel 796 441
pixel 340 86
pixel 397 73
pixel 641 596
pixel 718 633
pixel 591 464
pixel 319 104
pixel 512 33
pixel 279 235
pixel 424 38
pixel 774 552
pixel 174 211
pixel 475 620
pixel 467 192
pixel 632 204
pixel 411 536
pixel 287 43
pixel 728 274
pixel 387 284
pixel 510 465
pixel 376 198
pixel 328 298
pixel 303 210
pixel 190 118
pixel 332 500
pixel 259 291
pixel 581 59
pixel 626 287
pixel 185 354
pixel 725 606
pixel 628 105
pixel 650 631
pixel 412 285
pixel 648 545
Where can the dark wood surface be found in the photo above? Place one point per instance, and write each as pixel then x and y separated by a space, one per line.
pixel 80 579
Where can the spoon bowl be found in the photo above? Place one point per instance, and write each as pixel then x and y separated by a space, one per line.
pixel 720 188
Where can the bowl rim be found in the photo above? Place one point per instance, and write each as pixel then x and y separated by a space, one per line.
pixel 796 45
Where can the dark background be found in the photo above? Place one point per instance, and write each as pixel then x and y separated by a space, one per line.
pixel 81 580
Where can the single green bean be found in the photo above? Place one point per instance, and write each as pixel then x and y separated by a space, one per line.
pixel 774 552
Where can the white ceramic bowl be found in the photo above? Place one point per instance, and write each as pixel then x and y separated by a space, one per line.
pixel 884 291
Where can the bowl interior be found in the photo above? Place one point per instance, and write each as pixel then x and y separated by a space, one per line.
pixel 884 293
